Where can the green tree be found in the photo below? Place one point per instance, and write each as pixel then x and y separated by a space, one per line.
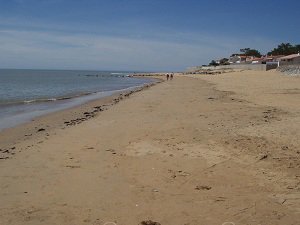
pixel 297 48
pixel 213 63
pixel 244 50
pixel 224 61
pixel 251 52
pixel 285 49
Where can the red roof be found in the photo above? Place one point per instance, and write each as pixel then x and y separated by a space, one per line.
pixel 257 59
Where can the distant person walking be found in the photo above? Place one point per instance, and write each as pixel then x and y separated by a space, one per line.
pixel 167 76
pixel 171 77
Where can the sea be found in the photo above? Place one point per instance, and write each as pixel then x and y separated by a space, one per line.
pixel 26 94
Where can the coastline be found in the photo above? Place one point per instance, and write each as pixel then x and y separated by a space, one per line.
pixel 60 118
pixel 194 150
pixel 47 91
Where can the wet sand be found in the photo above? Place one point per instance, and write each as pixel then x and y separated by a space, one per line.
pixel 198 149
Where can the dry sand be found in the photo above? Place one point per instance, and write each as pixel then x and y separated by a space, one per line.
pixel 194 150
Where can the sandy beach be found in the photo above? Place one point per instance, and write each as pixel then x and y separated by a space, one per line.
pixel 199 149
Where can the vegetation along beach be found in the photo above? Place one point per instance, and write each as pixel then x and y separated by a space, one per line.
pixel 143 113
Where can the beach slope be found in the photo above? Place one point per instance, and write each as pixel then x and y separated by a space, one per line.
pixel 194 150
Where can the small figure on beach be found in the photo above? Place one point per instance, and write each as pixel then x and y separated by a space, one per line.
pixel 167 76
pixel 171 77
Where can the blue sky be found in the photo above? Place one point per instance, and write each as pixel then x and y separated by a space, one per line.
pixel 142 35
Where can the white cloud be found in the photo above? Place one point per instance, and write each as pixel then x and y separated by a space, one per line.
pixel 39 49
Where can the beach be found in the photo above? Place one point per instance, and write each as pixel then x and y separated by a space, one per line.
pixel 198 149
pixel 30 93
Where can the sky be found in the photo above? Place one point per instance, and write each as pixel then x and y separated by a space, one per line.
pixel 139 35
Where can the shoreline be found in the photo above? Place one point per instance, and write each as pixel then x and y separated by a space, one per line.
pixel 16 113
pixel 63 118
pixel 55 91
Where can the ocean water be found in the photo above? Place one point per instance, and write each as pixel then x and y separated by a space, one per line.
pixel 26 94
